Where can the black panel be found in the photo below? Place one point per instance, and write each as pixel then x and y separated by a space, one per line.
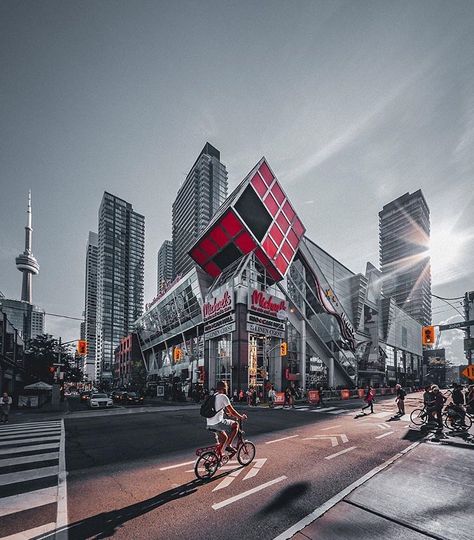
pixel 227 256
pixel 254 213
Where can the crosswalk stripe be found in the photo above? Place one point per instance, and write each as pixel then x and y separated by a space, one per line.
pixel 25 501
pixel 26 476
pixel 48 446
pixel 326 409
pixel 22 435
pixel 31 533
pixel 24 441
pixel 28 459
pixel 338 411
pixel 382 414
pixel 29 426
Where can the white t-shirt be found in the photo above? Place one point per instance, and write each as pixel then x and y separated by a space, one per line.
pixel 222 401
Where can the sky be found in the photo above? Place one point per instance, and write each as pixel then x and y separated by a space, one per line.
pixel 352 103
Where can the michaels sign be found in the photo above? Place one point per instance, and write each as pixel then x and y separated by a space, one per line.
pixel 217 305
pixel 265 303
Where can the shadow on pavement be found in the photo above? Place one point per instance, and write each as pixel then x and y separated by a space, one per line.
pixel 285 498
pixel 105 524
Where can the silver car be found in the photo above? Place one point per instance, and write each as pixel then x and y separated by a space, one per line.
pixel 102 401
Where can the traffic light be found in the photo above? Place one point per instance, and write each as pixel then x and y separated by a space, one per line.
pixel 283 348
pixel 177 354
pixel 428 335
pixel 52 369
pixel 82 347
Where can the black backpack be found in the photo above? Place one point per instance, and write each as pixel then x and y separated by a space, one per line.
pixel 208 408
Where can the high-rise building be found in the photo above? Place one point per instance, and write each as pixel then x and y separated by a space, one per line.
pixel 404 234
pixel 120 259
pixel 198 199
pixel 88 327
pixel 27 318
pixel 164 272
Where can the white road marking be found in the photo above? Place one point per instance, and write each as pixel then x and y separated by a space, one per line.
pixel 326 409
pixel 228 480
pixel 341 452
pixel 38 434
pixel 318 512
pixel 321 437
pixel 24 501
pixel 24 441
pixel 28 459
pixel 258 464
pixel 61 514
pixel 29 425
pixel 382 414
pixel 339 411
pixel 26 476
pixel 21 449
pixel 31 533
pixel 176 466
pixel 217 506
pixel 301 408
pixel 382 426
pixel 331 427
pixel 384 434
pixel 282 439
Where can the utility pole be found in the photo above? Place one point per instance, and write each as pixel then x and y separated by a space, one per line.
pixel 468 299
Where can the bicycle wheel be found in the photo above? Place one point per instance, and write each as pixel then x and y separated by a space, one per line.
pixel 246 453
pixel 206 465
pixel 418 417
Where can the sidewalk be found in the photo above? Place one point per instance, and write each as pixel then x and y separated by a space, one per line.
pixel 423 493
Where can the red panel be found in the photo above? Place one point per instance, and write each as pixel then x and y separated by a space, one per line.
pixel 218 235
pixel 290 213
pixel 293 239
pixel 276 234
pixel 245 242
pixel 259 186
pixel 212 269
pixel 231 223
pixel 266 173
pixel 278 193
pixel 283 222
pixel 298 228
pixel 198 256
pixel 281 264
pixel 271 204
pixel 287 251
pixel 269 247
pixel 208 246
pixel 262 257
pixel 274 273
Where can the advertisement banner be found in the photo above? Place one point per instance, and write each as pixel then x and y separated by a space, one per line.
pixel 218 304
pixel 279 398
pixel 266 304
pixel 219 327
pixel 313 396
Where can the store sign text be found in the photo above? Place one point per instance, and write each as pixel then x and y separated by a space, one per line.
pixel 266 303
pixel 217 306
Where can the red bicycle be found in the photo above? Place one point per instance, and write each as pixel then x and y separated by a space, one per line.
pixel 209 459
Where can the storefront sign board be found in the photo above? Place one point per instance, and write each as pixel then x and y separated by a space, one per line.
pixel 218 305
pixel 266 304
pixel 264 326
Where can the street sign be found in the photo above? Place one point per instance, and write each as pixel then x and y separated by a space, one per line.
pixel 462 324
pixel 469 372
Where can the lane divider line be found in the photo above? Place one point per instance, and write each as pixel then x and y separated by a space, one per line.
pixel 217 506
pixel 176 466
pixel 61 516
pixel 282 439
pixel 332 456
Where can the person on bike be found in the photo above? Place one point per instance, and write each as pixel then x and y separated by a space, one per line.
pixel 458 402
pixel 428 401
pixel 369 399
pixel 224 428
pixel 437 407
pixel 400 400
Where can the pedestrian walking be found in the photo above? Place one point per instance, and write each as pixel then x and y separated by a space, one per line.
pixel 400 399
pixel 5 404
pixel 369 399
pixel 271 397
pixel 321 402
pixel 437 407
pixel 241 396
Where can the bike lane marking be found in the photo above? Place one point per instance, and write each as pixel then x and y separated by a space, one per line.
pixel 341 452
pixel 258 464
pixel 384 434
pixel 236 498
pixel 228 480
pixel 282 439
pixel 331 427
pixel 176 466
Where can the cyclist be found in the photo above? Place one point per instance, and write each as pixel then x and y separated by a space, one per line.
pixel 470 399
pixel 220 425
pixel 458 401
pixel 437 406
pixel 400 400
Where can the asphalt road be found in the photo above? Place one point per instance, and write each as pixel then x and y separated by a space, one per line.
pixel 131 475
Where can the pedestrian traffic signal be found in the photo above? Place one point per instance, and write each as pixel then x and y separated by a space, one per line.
pixel 283 348
pixel 428 335
pixel 52 369
pixel 177 354
pixel 82 347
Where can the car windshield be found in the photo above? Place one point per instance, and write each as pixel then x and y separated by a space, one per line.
pixel 95 396
pixel 132 394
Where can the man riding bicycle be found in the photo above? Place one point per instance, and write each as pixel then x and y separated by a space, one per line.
pixel 220 425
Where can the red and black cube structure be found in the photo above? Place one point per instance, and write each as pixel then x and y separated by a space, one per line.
pixel 257 217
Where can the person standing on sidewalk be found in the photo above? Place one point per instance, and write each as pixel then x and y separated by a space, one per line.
pixel 321 402
pixel 271 397
pixel 369 399
pixel 5 404
pixel 400 399
pixel 437 407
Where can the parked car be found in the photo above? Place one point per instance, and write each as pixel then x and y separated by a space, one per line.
pixel 131 398
pixel 100 400
pixel 85 396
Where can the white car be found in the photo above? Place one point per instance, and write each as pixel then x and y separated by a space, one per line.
pixel 97 401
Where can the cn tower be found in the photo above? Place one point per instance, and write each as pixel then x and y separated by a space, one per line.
pixel 26 262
